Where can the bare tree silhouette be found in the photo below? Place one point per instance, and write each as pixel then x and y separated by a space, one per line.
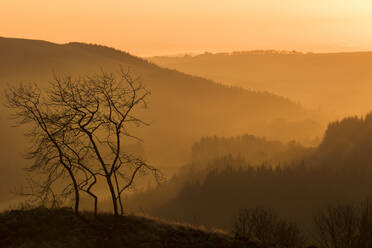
pixel 77 127
pixel 265 225
pixel 345 225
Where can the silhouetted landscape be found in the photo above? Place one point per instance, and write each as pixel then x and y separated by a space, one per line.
pixel 185 124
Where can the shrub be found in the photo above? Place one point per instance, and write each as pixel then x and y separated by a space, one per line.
pixel 264 224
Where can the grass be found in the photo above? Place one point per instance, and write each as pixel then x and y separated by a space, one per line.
pixel 42 227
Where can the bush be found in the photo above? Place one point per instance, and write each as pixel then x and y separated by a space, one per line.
pixel 265 225
pixel 345 225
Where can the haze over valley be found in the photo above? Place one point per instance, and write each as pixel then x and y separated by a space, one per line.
pixel 186 124
pixel 338 84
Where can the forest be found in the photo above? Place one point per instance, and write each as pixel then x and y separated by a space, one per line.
pixel 211 190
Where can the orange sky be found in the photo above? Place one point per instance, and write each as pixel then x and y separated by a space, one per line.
pixel 153 27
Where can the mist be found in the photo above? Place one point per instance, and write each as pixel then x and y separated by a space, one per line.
pixel 185 124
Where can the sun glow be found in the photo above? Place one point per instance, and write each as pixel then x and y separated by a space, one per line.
pixel 147 27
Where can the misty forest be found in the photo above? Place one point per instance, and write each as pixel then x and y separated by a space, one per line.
pixel 252 147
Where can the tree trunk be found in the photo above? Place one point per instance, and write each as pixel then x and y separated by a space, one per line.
pixel 113 195
pixel 95 206
pixel 121 205
pixel 77 195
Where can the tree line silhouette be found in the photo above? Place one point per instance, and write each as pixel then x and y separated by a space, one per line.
pixel 212 192
pixel 254 150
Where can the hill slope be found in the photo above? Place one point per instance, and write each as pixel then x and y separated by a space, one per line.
pixel 337 171
pixel 182 108
pixel 339 83
pixel 181 105
pixel 60 228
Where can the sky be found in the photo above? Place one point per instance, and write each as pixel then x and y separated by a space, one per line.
pixel 164 27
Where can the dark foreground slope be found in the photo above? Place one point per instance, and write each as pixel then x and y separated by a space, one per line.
pixel 43 227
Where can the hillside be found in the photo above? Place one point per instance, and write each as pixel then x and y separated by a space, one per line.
pixel 61 228
pixel 182 108
pixel 338 83
pixel 337 171
pixel 254 150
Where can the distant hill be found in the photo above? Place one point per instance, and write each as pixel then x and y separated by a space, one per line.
pixel 254 150
pixel 337 171
pixel 44 228
pixel 338 83
pixel 182 108
pixel 347 144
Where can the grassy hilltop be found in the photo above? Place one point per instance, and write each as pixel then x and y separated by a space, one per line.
pixel 41 227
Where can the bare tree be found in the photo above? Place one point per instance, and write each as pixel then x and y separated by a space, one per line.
pixel 337 226
pixel 345 226
pixel 77 127
pixel 263 224
pixel 45 131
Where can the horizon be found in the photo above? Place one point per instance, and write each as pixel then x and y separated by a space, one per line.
pixel 145 28
pixel 193 53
